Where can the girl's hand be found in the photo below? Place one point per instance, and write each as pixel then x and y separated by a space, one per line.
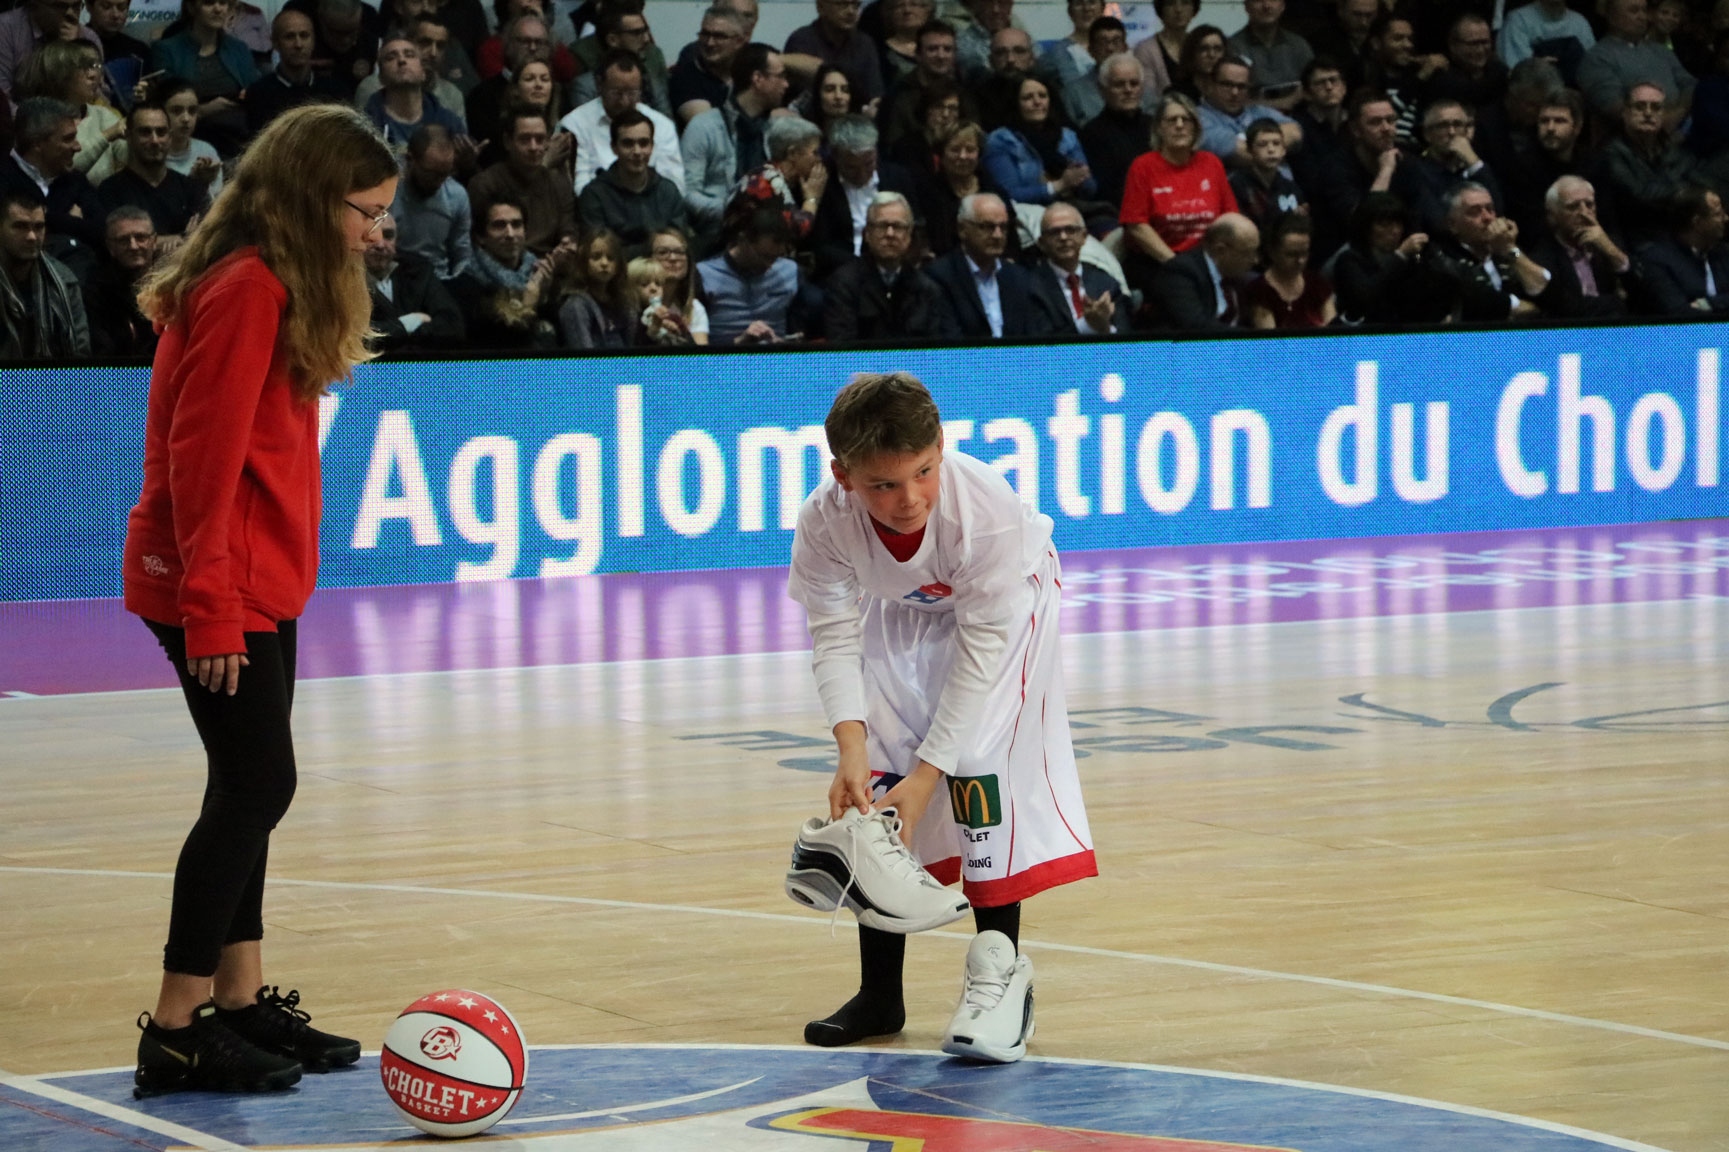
pixel 218 673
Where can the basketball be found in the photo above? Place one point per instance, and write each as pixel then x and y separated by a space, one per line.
pixel 454 1062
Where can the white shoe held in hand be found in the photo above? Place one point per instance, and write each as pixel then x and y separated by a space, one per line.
pixel 995 1018
pixel 860 862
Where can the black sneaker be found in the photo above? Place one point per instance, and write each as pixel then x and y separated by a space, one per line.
pixel 276 1024
pixel 205 1057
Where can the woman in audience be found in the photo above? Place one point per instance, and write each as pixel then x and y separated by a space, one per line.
pixel 672 248
pixel 217 65
pixel 71 70
pixel 829 95
pixel 1172 195
pixel 939 110
pixel 959 174
pixel 597 308
pixel 902 20
pixel 1069 59
pixel 1378 276
pixel 533 88
pixel 1287 294
pixel 187 155
pixel 1161 54
pixel 1204 48
pixel 793 177
pixel 1036 159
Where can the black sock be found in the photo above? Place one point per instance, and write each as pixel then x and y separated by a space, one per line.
pixel 1006 919
pixel 877 1010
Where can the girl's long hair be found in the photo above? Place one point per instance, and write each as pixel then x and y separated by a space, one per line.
pixel 288 198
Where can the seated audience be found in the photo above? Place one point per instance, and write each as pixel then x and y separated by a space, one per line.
pixel 671 249
pixel 1226 114
pixel 491 57
pixel 834 38
pixel 793 181
pixel 1036 158
pixel 187 154
pixel 526 41
pixel 1479 253
pixel 999 91
pixel 904 110
pixel 1321 117
pixel 975 35
pixel 1070 58
pixel 939 110
pixel 117 327
pixel 880 295
pixel 429 38
pixel 1161 53
pixel 506 290
pixel 1344 41
pixel 26 27
pixel 544 195
pixel 1557 148
pixel 1276 54
pixel 1173 195
pixel 630 199
pixel 1288 293
pixel 1641 170
pixel 441 50
pixel 660 321
pixel 729 139
pixel 434 220
pixel 985 297
pixel 1448 160
pixel 596 307
pixel 828 98
pixel 219 67
pixel 1083 96
pixel 71 71
pixel 591 123
pixel 402 105
pixel 173 201
pixel 1686 272
pixel 1587 269
pixel 45 145
pixel 1378 277
pixel 1199 289
pixel 411 308
pixel 958 174
pixel 109 20
pixel 531 90
pixel 751 286
pixel 1122 131
pixel 621 26
pixel 1396 71
pixel 856 177
pixel 346 34
pixel 702 78
pixel 1263 191
pixel 1369 164
pixel 292 82
pixel 41 307
pixel 1473 75
pixel 1202 51
pixel 1088 299
pixel 1625 56
pixel 898 39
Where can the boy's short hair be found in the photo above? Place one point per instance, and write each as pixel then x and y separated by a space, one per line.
pixel 1261 127
pixel 888 412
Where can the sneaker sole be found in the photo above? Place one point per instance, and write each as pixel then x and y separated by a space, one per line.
pixel 274 1082
pixel 817 879
pixel 324 1062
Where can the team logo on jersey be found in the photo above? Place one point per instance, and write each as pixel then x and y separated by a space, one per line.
pixel 932 593
pixel 441 1043
pixel 919 1132
pixel 976 801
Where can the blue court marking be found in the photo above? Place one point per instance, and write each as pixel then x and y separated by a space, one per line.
pixel 725 1096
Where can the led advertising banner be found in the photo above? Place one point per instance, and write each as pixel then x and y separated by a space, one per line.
pixel 484 470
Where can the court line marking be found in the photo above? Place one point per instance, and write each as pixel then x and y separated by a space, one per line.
pixel 202 1140
pixel 646 1107
pixel 1076 949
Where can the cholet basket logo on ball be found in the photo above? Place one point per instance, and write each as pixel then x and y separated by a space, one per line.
pixel 454 1062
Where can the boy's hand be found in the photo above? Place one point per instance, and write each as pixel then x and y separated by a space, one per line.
pixel 912 796
pixel 851 787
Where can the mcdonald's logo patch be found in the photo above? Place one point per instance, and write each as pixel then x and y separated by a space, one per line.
pixel 976 801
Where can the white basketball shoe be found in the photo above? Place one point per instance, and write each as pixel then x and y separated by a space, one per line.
pixel 860 861
pixel 995 1018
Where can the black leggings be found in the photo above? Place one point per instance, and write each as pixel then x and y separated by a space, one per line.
pixel 219 880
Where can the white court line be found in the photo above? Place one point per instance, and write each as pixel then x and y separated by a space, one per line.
pixel 189 1136
pixel 645 1107
pixel 1077 949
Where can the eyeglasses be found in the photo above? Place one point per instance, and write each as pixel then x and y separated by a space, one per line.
pixel 890 226
pixel 1064 230
pixel 376 218
pixel 666 252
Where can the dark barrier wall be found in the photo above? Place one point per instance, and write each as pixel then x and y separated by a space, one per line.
pixel 483 470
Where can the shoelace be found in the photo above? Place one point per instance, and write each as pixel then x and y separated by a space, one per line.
pixel 985 992
pixel 900 856
pixel 290 1015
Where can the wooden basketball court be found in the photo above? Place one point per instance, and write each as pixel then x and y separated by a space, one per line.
pixel 1474 851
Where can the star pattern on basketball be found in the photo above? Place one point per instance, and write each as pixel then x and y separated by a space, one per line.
pixel 491 1015
pixel 467 1002
pixel 441 997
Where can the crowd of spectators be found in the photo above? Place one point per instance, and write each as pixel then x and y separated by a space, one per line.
pixel 896 172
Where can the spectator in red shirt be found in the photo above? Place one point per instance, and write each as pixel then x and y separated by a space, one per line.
pixel 490 61
pixel 1173 193
pixel 262 307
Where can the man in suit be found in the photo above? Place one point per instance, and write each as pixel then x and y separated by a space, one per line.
pixel 838 233
pixel 45 134
pixel 1687 273
pixel 880 295
pixel 1586 267
pixel 1479 254
pixel 1088 298
pixel 984 298
pixel 1197 290
pixel 411 308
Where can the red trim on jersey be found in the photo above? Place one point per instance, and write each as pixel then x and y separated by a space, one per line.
pixel 903 546
pixel 946 871
pixel 1024 885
